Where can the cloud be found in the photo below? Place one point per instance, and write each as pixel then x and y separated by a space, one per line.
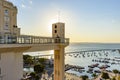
pixel 22 3
pixel 23 6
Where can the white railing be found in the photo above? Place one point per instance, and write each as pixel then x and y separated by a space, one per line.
pixel 26 39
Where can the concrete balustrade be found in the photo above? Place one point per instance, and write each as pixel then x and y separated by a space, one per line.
pixel 27 39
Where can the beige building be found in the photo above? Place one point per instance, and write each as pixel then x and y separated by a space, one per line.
pixel 8 22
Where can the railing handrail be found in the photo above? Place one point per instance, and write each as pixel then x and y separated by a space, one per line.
pixel 29 39
pixel 39 36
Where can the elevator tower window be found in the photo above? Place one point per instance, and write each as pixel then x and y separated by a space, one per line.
pixel 55 31
pixel 55 26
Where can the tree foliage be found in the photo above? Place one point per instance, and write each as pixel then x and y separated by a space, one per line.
pixel 115 71
pixel 105 75
pixel 27 59
pixel 94 75
pixel 39 68
pixel 34 76
pixel 41 60
pixel 84 77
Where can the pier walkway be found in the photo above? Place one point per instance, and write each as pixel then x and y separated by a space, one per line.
pixel 29 39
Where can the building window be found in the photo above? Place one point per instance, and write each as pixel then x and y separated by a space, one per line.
pixel 6 12
pixel 55 31
pixel 6 26
pixel 14 26
pixel 55 26
pixel 6 18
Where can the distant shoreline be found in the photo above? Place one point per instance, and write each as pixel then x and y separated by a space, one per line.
pixel 93 43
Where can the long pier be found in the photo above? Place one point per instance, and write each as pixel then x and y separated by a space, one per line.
pixel 81 52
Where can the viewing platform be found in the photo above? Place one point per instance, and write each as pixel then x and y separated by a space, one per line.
pixel 28 39
pixel 28 43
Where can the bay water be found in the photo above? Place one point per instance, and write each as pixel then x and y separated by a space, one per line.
pixel 84 59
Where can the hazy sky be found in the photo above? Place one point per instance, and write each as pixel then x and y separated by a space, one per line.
pixel 86 20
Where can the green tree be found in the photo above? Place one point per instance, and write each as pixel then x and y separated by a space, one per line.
pixel 94 75
pixel 37 77
pixel 27 59
pixel 84 77
pixel 42 60
pixel 105 75
pixel 115 71
pixel 39 68
pixel 34 76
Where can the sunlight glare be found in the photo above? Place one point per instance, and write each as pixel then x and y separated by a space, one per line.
pixel 51 51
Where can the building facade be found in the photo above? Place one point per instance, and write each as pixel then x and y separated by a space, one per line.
pixel 8 22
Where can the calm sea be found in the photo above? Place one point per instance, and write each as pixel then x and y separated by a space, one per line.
pixel 88 58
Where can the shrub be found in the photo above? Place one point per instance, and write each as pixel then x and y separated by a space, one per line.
pixel 84 77
pixel 94 75
pixel 115 71
pixel 39 68
pixel 105 75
